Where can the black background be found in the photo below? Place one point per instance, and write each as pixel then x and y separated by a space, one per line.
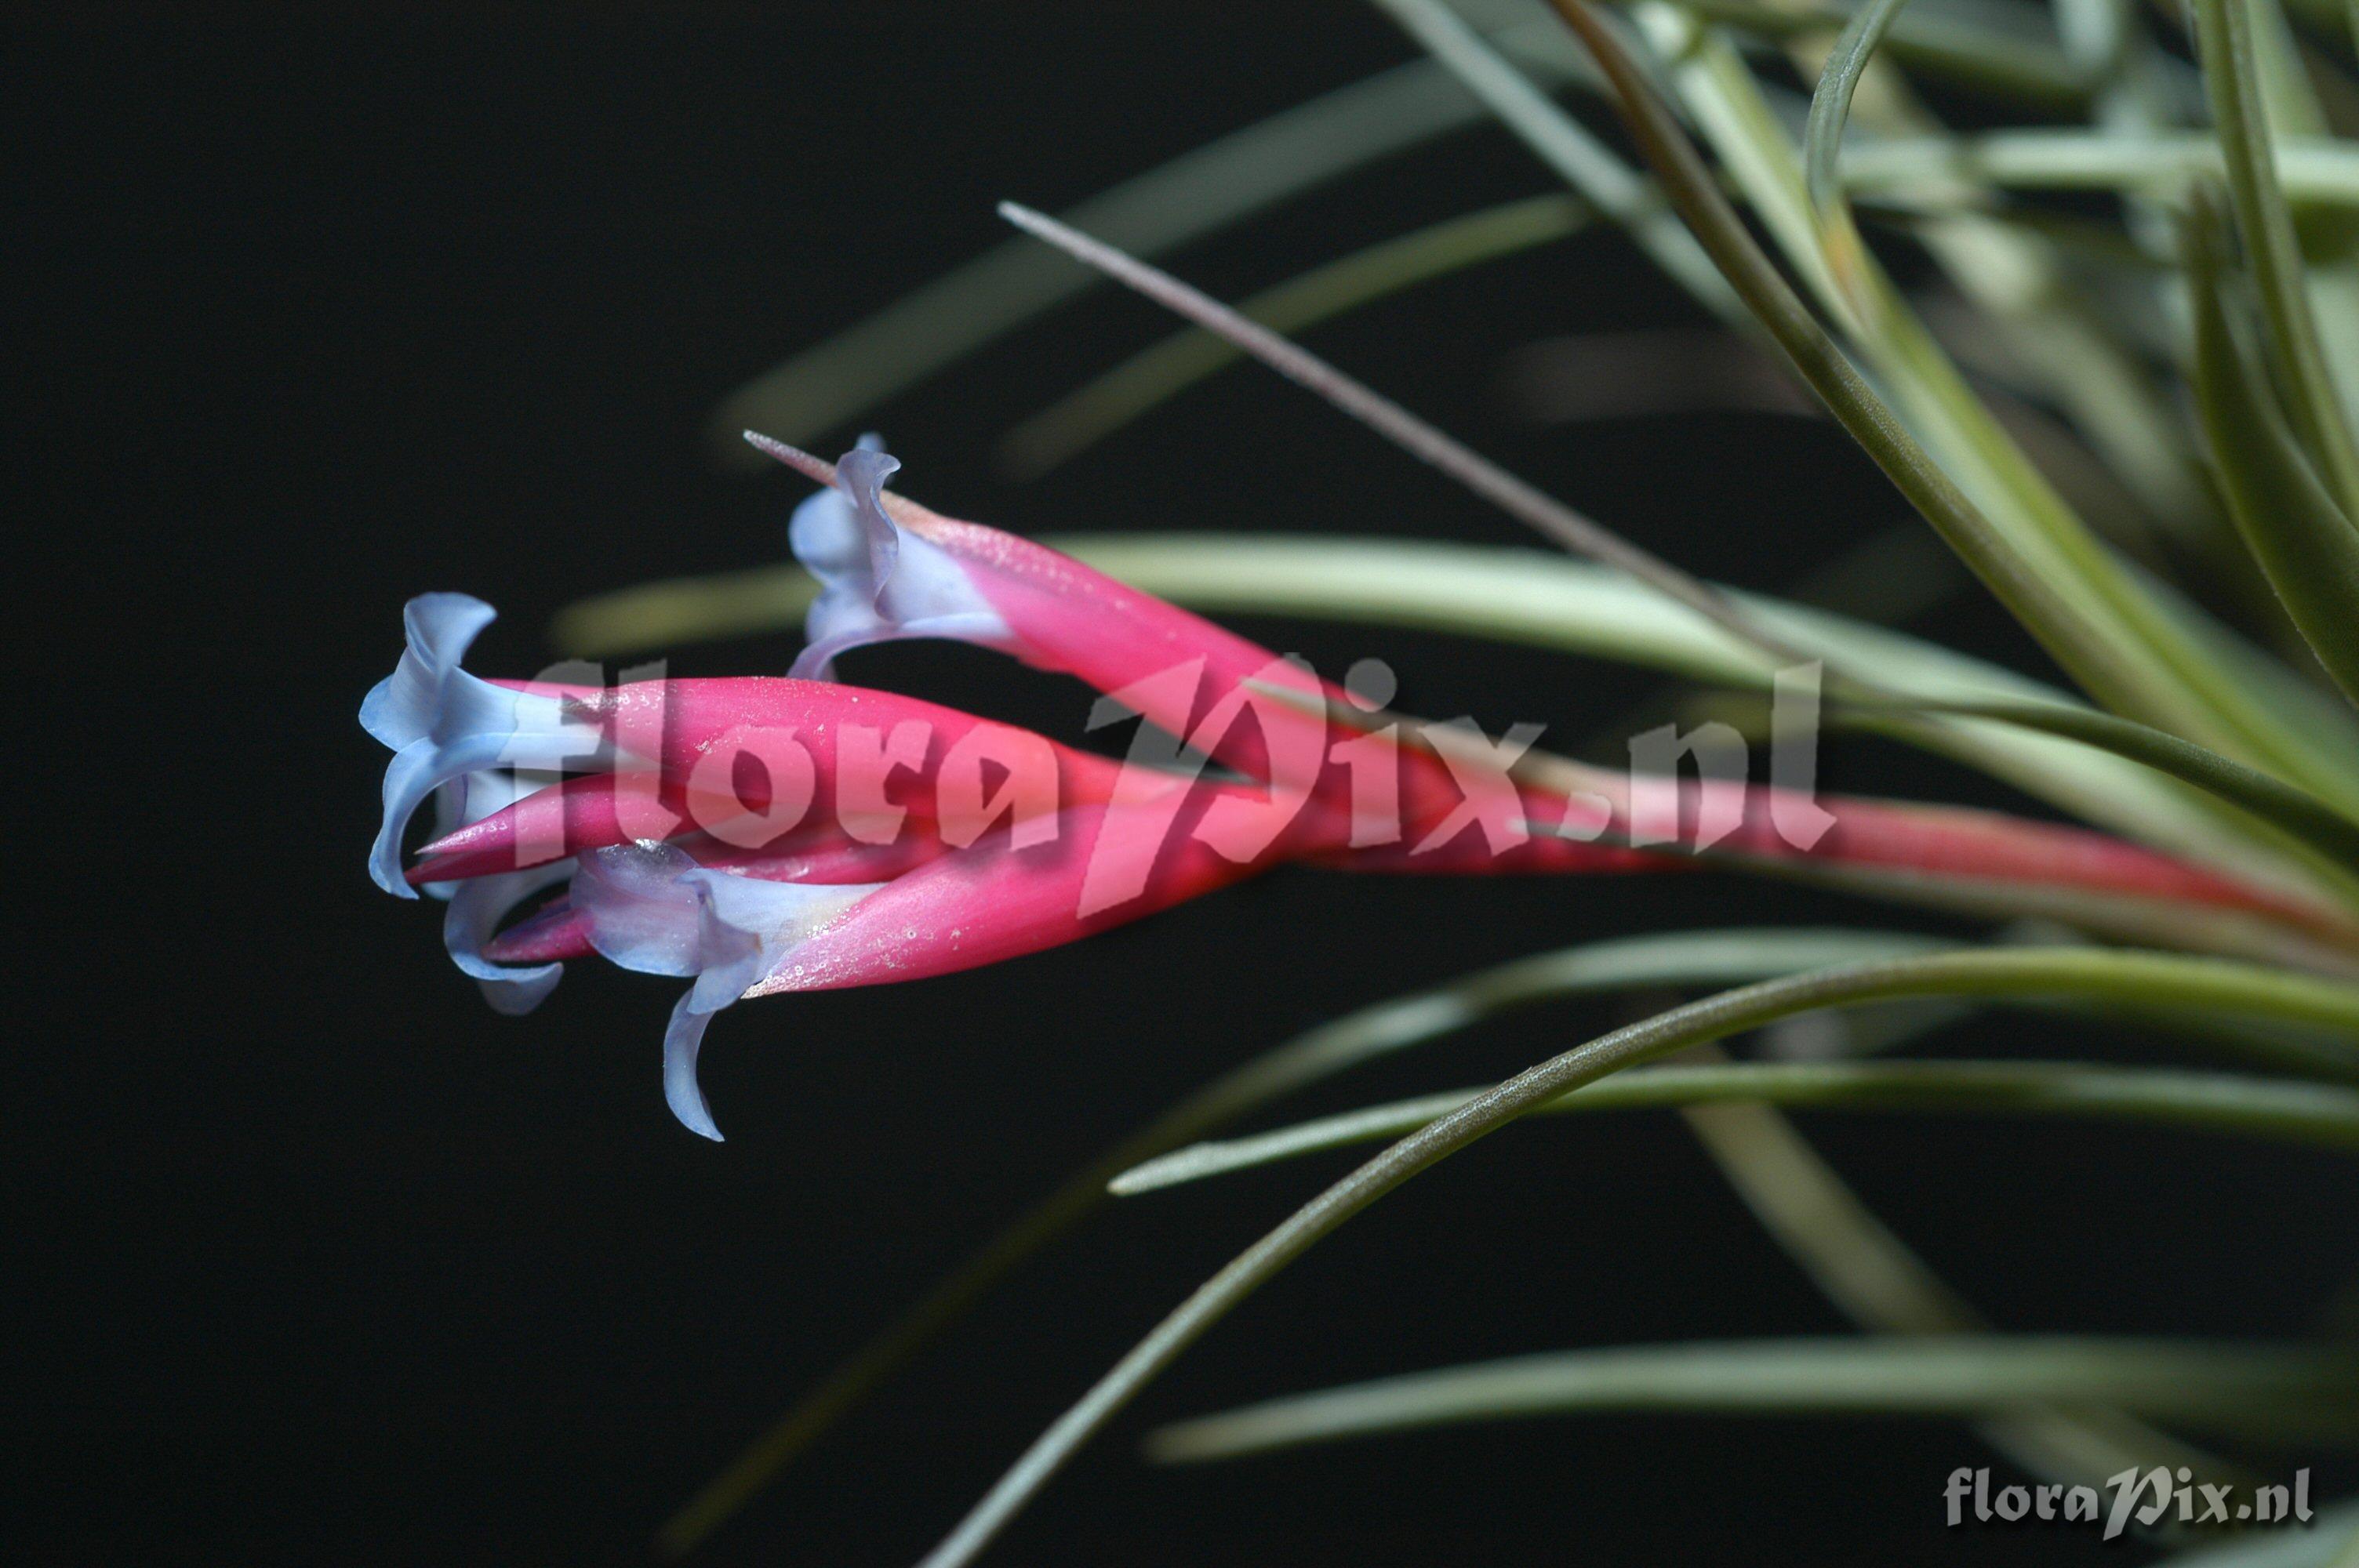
pixel 320 1261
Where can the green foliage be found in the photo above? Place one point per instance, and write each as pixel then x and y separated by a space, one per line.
pixel 2203 359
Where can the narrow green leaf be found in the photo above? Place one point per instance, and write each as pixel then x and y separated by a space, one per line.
pixel 2308 548
pixel 1417 438
pixel 2322 1115
pixel 1202 191
pixel 2107 669
pixel 1225 181
pixel 1831 106
pixel 2331 1542
pixel 1565 145
pixel 2094 973
pixel 2223 31
pixel 1919 170
pixel 2163 672
pixel 1680 958
pixel 2287 1389
pixel 1875 1280
pixel 2019 63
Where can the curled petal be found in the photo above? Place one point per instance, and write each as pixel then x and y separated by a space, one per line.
pixel 419 769
pixel 444 724
pixel 684 1038
pixel 478 906
pixel 651 908
pixel 974 584
pixel 476 910
pixel 877 584
pixel 416 699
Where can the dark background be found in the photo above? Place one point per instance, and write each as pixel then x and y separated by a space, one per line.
pixel 320 1261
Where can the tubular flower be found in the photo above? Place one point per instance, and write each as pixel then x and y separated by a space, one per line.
pixel 757 835
pixel 763 834
pixel 890 568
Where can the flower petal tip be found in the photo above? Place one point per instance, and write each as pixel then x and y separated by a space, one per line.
pixel 681 1040
pixel 390 877
pixel 513 995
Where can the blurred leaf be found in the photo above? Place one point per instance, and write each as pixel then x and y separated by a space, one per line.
pixel 1678 958
pixel 1203 190
pixel 2286 1390
pixel 2317 1114
pixel 2093 973
pixel 2306 546
pixel 1566 146
pixel 1082 417
pixel 1874 1279
pixel 2331 1542
pixel 2225 34
pixel 1912 170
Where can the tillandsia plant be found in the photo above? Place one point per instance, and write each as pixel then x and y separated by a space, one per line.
pixel 2130 414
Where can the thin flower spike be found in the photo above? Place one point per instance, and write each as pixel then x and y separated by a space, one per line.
pixel 889 569
pixel 978 584
pixel 1056 613
pixel 679 865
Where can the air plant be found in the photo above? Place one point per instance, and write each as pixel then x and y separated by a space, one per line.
pixel 2194 346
